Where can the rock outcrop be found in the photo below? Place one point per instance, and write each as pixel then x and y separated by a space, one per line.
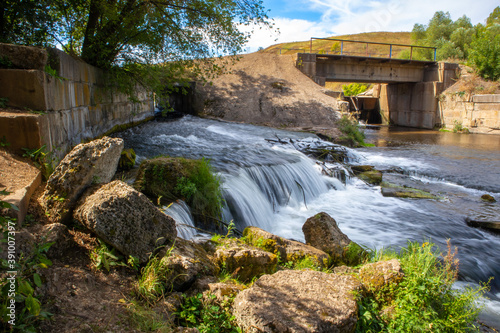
pixel 287 250
pixel 243 261
pixel 125 219
pixel 367 173
pixel 184 263
pixel 376 276
pixel 298 301
pixel 321 231
pixel 90 163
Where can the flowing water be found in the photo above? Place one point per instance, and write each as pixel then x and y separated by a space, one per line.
pixel 268 182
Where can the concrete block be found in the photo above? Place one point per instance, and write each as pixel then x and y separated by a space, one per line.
pixel 24 57
pixel 486 106
pixel 21 198
pixel 21 130
pixel 23 88
pixel 492 98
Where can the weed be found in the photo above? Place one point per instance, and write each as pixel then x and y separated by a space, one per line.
pixel 206 315
pixel 19 288
pixel 146 320
pixel 105 257
pixel 3 102
pixel 459 128
pixel 354 89
pixel 152 282
pixel 352 135
pixel 4 142
pixel 424 300
pixel 42 160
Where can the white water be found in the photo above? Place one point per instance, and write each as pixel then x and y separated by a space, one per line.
pixel 276 187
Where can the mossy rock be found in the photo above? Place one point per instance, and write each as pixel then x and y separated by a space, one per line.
pixel 488 198
pixel 373 177
pixel 391 190
pixel 166 179
pixel 361 168
pixel 127 159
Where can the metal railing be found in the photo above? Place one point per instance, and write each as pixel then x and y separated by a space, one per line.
pixel 366 53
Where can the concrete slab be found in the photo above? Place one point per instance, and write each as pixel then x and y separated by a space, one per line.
pixel 20 179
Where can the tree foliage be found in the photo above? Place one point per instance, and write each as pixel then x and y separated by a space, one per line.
pixel 148 40
pixel 479 45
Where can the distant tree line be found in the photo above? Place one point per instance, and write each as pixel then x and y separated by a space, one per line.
pixel 477 45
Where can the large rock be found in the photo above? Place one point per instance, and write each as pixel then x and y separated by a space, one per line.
pixel 126 219
pixel 243 261
pixel 379 275
pixel 287 250
pixel 185 263
pixel 298 301
pixel 322 232
pixel 90 163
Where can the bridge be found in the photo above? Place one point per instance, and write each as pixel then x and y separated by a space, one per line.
pixel 409 95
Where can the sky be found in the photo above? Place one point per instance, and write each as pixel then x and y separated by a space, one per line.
pixel 299 20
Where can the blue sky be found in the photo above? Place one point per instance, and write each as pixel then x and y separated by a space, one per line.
pixel 301 19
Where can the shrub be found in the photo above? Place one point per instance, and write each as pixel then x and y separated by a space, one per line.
pixel 208 315
pixel 352 136
pixel 424 301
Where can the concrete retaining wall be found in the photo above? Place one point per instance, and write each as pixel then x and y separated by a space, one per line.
pixel 62 111
pixel 478 113
pixel 417 104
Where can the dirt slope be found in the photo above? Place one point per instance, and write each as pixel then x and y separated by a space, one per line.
pixel 267 89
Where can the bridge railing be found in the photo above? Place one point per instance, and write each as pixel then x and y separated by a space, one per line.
pixel 366 53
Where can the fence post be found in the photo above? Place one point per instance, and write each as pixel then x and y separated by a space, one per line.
pixel 435 50
pixel 390 51
pixel 341 48
pixel 311 46
pixel 411 52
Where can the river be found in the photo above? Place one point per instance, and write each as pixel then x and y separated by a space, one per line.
pixel 268 182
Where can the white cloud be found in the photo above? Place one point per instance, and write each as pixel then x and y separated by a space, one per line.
pixel 337 17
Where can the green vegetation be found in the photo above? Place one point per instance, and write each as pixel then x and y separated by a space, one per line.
pixel 42 159
pixel 352 136
pixel 117 35
pixel 207 314
pixel 20 288
pixel 459 128
pixel 104 256
pixel 193 181
pixel 354 89
pixel 477 45
pixel 147 320
pixel 424 300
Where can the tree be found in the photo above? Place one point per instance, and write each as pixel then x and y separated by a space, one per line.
pixel 494 17
pixel 26 22
pixel 484 51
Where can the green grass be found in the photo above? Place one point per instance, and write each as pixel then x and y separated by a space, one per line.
pixel 424 301
pixel 352 135
pixel 324 46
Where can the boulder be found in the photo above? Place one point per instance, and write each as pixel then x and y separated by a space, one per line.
pixel 243 261
pixel 488 198
pixel 125 219
pixel 376 276
pixel 322 232
pixel 357 169
pixel 287 250
pixel 373 177
pixel 185 262
pixel 58 234
pixel 392 190
pixel 90 163
pixel 298 301
pixel 488 225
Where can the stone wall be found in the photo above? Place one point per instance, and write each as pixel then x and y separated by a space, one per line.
pixel 478 113
pixel 63 110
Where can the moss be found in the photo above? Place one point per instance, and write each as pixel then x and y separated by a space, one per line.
pixel 373 177
pixel 127 159
pixel 391 190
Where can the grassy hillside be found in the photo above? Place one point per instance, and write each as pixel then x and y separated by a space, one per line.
pixel 332 47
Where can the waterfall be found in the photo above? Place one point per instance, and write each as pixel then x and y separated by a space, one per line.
pixel 184 223
pixel 255 194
